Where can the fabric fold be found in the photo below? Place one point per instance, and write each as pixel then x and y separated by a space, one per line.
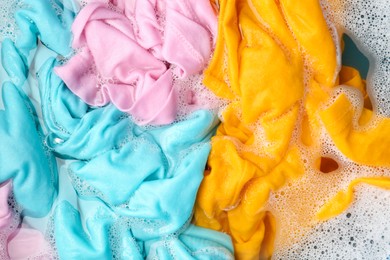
pixel 23 157
pixel 266 62
pixel 129 57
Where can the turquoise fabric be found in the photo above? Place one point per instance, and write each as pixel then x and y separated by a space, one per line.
pixel 76 130
pixel 106 235
pixel 50 22
pixel 23 157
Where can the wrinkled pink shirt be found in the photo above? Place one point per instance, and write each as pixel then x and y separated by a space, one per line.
pixel 126 56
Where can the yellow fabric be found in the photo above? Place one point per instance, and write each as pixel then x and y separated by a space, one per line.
pixel 365 145
pixel 265 51
pixel 275 62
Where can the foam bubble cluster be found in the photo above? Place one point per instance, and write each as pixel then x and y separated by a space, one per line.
pixel 267 159
pixel 360 232
pixel 8 28
pixel 368 23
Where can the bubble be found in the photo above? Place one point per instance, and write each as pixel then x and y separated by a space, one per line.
pixel 357 233
pixel 8 27
pixel 349 236
pixel 367 23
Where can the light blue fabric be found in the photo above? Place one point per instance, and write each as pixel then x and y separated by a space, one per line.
pixel 161 189
pixel 104 235
pixel 76 130
pixel 23 157
pixel 50 21
pixel 73 242
pixel 148 176
pixel 38 19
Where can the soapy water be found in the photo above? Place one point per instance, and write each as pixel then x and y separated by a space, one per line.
pixel 8 27
pixel 368 24
pixel 353 57
pixel 362 231
pixel 359 233
pixel 296 205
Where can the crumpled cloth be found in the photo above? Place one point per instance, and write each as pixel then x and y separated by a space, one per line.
pixel 263 44
pixel 150 204
pixel 26 165
pixel 127 57
pixel 103 227
pixel 177 155
pixel 5 212
pixel 23 157
pixel 360 149
pixel 68 120
pixel 272 56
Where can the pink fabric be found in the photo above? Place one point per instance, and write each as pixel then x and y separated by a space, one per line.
pixel 126 57
pixel 5 212
pixel 24 242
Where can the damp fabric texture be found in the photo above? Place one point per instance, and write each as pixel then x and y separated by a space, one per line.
pixel 191 129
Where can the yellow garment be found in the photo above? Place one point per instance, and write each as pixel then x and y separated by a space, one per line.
pixel 365 146
pixel 275 61
pixel 267 49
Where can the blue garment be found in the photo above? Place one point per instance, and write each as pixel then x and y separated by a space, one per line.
pixel 74 129
pixel 23 157
pixel 106 235
pixel 149 176
pixel 48 21
pixel 38 19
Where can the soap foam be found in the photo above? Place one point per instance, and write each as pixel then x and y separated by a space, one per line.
pixel 299 235
pixel 8 230
pixel 360 232
pixel 368 23
pixel 8 27
pixel 296 204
